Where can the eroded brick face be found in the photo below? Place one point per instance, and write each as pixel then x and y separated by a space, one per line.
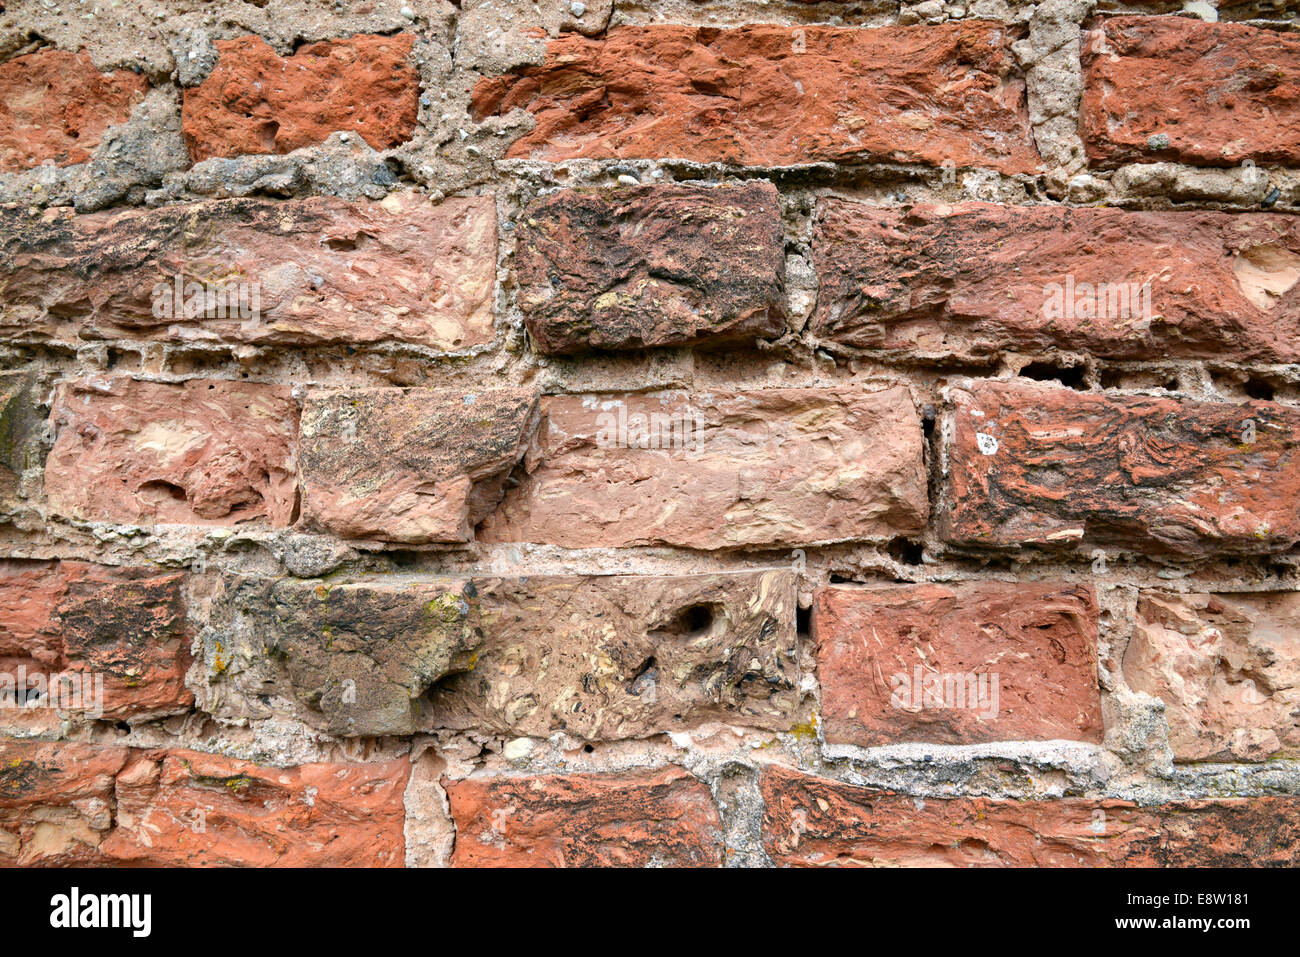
pixel 55 106
pixel 196 452
pixel 1211 93
pixel 719 469
pixel 256 101
pixel 309 272
pixel 1055 467
pixel 665 818
pixel 986 661
pixel 651 266
pixel 1225 667
pixel 812 821
pixel 413 465
pixel 123 630
pixel 81 804
pixel 772 96
pixel 974 279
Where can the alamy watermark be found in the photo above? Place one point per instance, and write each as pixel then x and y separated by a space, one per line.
pixel 1103 300
pixel 935 691
pixel 227 297
pixel 617 428
pixel 61 691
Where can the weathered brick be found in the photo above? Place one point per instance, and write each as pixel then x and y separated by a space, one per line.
pixel 184 808
pixel 812 821
pixel 1174 88
pixel 976 279
pixel 256 101
pixel 773 96
pixel 651 266
pixel 719 469
pixel 297 272
pixel 55 106
pixel 634 819
pixel 957 664
pixel 598 657
pixel 1227 668
pixel 56 802
pixel 200 452
pixel 123 626
pixel 81 804
pixel 415 465
pixel 613 657
pixel 351 657
pixel 1035 466
pixel 19 425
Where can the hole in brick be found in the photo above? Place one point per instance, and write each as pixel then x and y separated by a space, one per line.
pixel 1258 388
pixel 587 749
pixel 404 558
pixel 644 677
pixel 1070 376
pixel 696 619
pixel 803 622
pixel 906 551
pixel 159 491
pixel 839 580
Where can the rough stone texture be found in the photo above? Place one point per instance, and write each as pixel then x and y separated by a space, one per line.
pixel 608 658
pixel 56 802
pixel 749 468
pixel 1227 668
pixel 19 423
pixel 1038 641
pixel 125 625
pixel 812 821
pixel 55 106
pixel 200 452
pixel 256 101
pixel 417 465
pixel 359 654
pixel 404 269
pixel 1180 89
pixel 1033 466
pixel 184 808
pixel 972 280
pixel 635 819
pixel 772 96
pixel 651 266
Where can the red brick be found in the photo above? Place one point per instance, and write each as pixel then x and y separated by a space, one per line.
pixel 80 804
pixel 20 424
pixel 256 101
pixel 414 465
pixel 1219 92
pixel 752 468
pixel 772 96
pixel 187 809
pixel 1056 467
pixel 1011 661
pixel 812 821
pixel 976 279
pixel 125 625
pixel 321 270
pixel 200 452
pixel 55 105
pixel 633 819
pixel 1227 668
pixel 56 802
pixel 651 266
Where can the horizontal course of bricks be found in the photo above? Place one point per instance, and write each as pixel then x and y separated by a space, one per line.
pixel 607 438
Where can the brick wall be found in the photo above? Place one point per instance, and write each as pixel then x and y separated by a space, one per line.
pixel 665 432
